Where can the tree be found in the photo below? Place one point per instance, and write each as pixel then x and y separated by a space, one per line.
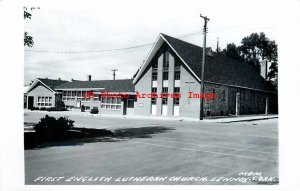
pixel 232 51
pixel 28 40
pixel 253 50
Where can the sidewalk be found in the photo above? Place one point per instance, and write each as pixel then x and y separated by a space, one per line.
pixel 241 118
pixel 214 119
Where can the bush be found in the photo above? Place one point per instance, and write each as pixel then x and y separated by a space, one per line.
pixel 52 129
pixel 34 108
pixel 60 104
pixel 56 109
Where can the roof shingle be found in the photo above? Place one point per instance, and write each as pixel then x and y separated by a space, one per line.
pixel 218 68
pixel 52 83
pixel 123 85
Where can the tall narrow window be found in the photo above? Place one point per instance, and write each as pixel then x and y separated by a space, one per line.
pixel 177 64
pixel 223 95
pixel 165 75
pixel 153 101
pixel 164 97
pixel 164 90
pixel 154 71
pixel 155 66
pixel 176 90
pixel 177 75
pixel 154 76
pixel 164 101
pixel 176 101
pixel 166 60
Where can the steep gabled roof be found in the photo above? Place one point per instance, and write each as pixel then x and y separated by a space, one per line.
pixel 48 83
pixel 52 83
pixel 218 68
pixel 123 85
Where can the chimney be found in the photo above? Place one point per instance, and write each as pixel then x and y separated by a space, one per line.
pixel 89 78
pixel 264 69
pixel 59 79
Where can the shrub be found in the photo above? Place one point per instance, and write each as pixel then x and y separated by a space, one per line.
pixel 34 108
pixel 56 109
pixel 60 104
pixel 51 129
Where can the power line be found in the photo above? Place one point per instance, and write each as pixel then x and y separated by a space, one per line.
pixel 134 47
pixel 88 57
pixel 90 51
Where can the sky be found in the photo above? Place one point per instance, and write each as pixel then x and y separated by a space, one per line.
pixel 83 26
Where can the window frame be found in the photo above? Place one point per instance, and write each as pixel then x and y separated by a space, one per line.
pixel 41 101
pixel 114 103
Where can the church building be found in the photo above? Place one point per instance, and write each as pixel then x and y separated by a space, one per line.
pixel 174 66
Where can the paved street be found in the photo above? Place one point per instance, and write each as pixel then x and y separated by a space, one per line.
pixel 159 148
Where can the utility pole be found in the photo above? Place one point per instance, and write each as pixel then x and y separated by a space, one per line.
pixel 203 63
pixel 114 73
pixel 218 45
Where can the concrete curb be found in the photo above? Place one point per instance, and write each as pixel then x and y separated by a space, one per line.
pixel 245 120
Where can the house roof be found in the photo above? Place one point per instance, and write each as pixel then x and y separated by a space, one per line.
pixel 48 83
pixel 52 83
pixel 218 68
pixel 123 85
pixel 26 88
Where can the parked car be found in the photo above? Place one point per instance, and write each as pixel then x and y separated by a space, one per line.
pixel 94 110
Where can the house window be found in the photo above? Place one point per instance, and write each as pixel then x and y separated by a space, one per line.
pixel 44 101
pixel 154 90
pixel 64 93
pixel 83 94
pixel 165 75
pixel 111 103
pixel 177 75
